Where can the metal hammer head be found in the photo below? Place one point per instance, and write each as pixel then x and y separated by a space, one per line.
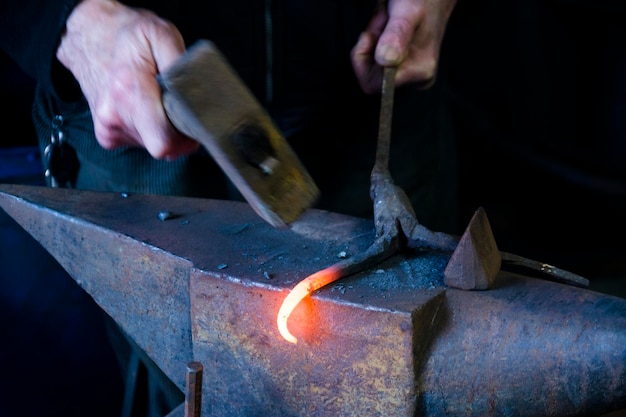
pixel 206 100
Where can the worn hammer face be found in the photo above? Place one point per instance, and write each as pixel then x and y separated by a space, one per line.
pixel 206 100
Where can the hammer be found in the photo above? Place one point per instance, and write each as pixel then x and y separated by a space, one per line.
pixel 206 100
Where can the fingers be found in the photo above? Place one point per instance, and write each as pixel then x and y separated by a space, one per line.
pixel 158 136
pixel 408 34
pixel 166 42
pixel 405 17
pixel 115 53
pixel 407 42
pixel 367 72
pixel 131 114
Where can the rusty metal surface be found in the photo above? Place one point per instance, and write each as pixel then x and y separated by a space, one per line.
pixel 137 267
pixel 143 288
pixel 542 348
pixel 352 360
pixel 206 285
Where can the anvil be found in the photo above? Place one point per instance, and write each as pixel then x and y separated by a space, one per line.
pixel 202 280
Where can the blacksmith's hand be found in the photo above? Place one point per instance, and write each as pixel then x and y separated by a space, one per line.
pixel 115 53
pixel 406 34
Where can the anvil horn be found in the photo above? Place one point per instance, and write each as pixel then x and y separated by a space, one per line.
pixel 205 282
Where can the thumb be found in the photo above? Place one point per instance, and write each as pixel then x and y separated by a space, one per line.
pixel 394 41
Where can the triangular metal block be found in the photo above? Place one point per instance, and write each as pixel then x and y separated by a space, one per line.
pixel 476 260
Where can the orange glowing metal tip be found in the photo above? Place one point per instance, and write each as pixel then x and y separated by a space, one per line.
pixel 377 252
pixel 382 247
pixel 305 287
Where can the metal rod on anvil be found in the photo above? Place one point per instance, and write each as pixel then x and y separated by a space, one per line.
pixel 206 285
pixel 193 393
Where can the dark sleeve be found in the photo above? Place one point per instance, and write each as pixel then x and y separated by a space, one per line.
pixel 30 31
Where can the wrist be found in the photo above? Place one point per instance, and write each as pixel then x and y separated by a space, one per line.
pixel 87 17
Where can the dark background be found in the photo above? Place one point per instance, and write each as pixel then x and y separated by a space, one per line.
pixel 55 356
pixel 538 94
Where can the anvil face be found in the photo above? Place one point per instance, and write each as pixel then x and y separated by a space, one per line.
pixel 205 284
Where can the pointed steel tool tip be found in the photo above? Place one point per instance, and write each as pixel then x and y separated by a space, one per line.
pixel 475 262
